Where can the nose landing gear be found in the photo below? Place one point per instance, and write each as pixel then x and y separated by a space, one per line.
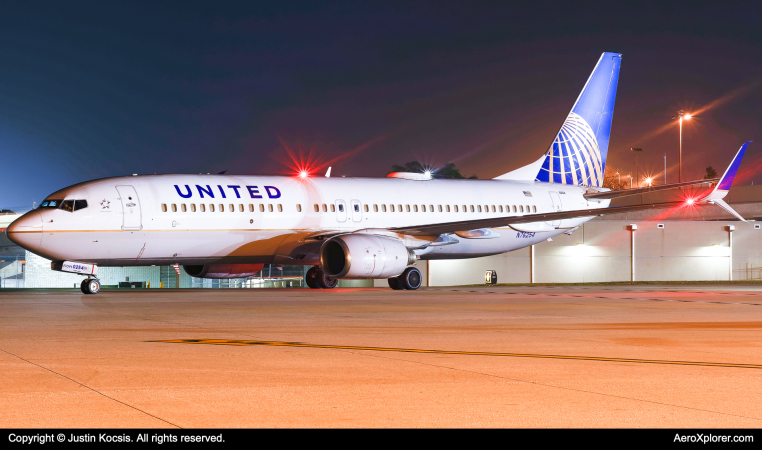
pixel 90 286
pixel 317 279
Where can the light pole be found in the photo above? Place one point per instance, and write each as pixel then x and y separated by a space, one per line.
pixel 636 151
pixel 680 115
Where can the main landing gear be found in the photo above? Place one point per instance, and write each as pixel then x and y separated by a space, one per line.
pixel 90 286
pixel 410 279
pixel 317 279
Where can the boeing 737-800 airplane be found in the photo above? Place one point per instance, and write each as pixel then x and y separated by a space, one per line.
pixel 220 226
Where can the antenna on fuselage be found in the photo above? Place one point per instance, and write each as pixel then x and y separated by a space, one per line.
pixel 328 174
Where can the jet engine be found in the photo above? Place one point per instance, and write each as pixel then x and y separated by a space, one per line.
pixel 364 256
pixel 224 270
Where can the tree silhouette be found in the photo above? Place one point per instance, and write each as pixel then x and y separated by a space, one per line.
pixel 710 173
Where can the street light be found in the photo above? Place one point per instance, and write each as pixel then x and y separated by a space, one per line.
pixel 680 115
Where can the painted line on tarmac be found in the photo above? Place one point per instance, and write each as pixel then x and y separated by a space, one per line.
pixel 456 352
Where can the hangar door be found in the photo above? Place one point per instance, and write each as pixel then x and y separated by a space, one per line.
pixel 130 208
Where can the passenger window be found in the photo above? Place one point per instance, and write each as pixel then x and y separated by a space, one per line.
pixel 270 208
pixel 423 208
pixel 317 208
pixel 367 208
pixel 222 207
pixel 203 207
pixel 333 208
pixel 174 207
pixel 407 208
pixel 183 208
pixel 240 207
pixel 80 204
pixel 480 207
pixel 415 208
pixel 494 209
pixel 456 208
pixel 472 208
pixel 534 208
pixel 501 208
pixel 521 208
pixel 193 207
pixel 325 208
pixel 392 207
pixel 440 208
pixel 447 208
pixel 163 207
pixel 298 207
pixel 375 208
pixel 232 207
pixel 431 208
pixel 280 207
pixel 514 208
pixel 465 208
pixel 211 207
pixel 383 208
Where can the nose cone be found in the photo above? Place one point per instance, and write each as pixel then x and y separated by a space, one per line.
pixel 26 231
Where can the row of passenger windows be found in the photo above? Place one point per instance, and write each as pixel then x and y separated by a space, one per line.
pixel 430 208
pixel 383 208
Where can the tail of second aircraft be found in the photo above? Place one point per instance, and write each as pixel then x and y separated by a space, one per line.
pixel 578 152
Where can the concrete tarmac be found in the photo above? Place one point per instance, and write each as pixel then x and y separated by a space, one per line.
pixel 567 356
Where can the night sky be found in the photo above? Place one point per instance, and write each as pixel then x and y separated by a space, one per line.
pixel 90 90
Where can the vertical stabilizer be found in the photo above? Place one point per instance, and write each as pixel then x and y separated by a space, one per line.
pixel 578 153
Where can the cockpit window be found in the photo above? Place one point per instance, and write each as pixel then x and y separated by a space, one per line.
pixel 80 204
pixel 51 204
pixel 67 205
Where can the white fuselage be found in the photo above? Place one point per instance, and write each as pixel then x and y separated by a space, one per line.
pixel 206 219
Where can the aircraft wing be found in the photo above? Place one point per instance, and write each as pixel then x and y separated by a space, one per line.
pixel 451 227
pixel 645 190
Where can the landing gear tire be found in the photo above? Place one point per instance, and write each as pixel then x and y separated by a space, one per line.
pixel 311 278
pixel 91 286
pixel 326 282
pixel 395 284
pixel 83 286
pixel 410 279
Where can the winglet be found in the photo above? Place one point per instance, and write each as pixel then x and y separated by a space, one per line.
pixel 723 186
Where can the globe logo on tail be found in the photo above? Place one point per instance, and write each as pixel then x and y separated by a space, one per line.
pixel 574 157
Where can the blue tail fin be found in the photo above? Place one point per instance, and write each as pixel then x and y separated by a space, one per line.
pixel 578 153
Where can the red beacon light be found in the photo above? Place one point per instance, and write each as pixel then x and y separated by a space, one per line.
pixel 303 174
pixel 689 201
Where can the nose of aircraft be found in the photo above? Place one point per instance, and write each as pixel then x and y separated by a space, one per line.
pixel 26 231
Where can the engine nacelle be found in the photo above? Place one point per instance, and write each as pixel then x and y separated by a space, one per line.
pixel 364 256
pixel 224 270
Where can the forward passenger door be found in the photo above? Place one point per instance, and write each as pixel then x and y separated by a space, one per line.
pixel 130 208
